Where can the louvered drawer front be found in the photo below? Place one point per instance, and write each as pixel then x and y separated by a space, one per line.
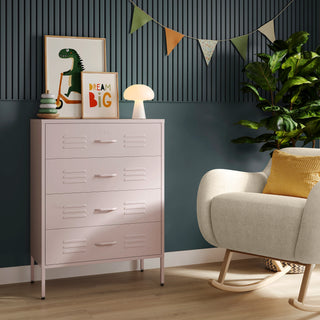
pixel 98 243
pixel 99 174
pixel 102 140
pixel 102 208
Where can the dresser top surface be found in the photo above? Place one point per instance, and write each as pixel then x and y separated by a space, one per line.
pixel 106 121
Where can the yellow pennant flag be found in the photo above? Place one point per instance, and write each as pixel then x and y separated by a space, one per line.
pixel 172 39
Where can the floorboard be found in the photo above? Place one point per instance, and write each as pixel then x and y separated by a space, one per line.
pixel 138 296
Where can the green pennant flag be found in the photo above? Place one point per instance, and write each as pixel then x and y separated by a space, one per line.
pixel 241 44
pixel 139 19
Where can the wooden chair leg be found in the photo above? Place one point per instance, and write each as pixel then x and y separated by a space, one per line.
pixel 225 265
pixel 299 303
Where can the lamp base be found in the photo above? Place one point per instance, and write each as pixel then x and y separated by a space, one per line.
pixel 138 110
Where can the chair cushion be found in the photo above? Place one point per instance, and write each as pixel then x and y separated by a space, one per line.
pixel 257 223
pixel 292 175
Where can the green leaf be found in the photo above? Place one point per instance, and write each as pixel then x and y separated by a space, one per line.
pixel 264 57
pixel 252 89
pixel 309 110
pixel 243 140
pixel 284 137
pixel 260 73
pixel 265 137
pixel 279 123
pixel 292 63
pixel 296 96
pixel 278 45
pixel 261 138
pixel 268 146
pixel 271 108
pixel 275 60
pixel 295 81
pixel 249 124
pixel 310 66
pixel 297 40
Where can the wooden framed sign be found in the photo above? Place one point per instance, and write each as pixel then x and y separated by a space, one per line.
pixel 100 96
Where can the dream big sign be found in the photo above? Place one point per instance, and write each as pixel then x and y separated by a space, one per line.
pixel 100 95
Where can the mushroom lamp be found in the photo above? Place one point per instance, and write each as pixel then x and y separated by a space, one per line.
pixel 138 93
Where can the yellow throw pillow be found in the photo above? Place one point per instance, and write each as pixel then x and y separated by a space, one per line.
pixel 292 175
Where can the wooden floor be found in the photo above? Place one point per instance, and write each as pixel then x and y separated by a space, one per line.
pixel 136 295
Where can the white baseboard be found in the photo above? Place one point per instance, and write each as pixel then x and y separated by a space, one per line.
pixel 172 259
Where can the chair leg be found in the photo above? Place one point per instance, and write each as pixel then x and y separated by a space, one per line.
pixel 225 265
pixel 299 303
pixel 219 284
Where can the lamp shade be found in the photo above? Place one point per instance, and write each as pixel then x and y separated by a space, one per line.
pixel 138 92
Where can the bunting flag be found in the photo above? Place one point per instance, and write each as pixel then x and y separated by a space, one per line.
pixel 172 39
pixel 139 19
pixel 241 44
pixel 268 30
pixel 207 47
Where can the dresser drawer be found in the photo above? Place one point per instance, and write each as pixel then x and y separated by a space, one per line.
pixel 102 208
pixel 102 140
pixel 102 174
pixel 97 243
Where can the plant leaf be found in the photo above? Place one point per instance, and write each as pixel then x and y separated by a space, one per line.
pixel 260 73
pixel 279 123
pixel 295 81
pixel 251 88
pixel 275 60
pixel 296 41
pixel 244 140
pixel 268 146
pixel 249 124
pixel 263 56
pixel 278 45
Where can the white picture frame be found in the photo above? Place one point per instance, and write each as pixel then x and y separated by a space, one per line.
pixel 100 95
pixel 65 59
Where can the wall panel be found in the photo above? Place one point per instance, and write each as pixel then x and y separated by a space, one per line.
pixel 141 57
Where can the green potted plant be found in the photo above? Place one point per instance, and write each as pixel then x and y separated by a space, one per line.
pixel 286 85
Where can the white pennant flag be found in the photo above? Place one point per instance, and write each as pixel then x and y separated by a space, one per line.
pixel 268 30
pixel 207 47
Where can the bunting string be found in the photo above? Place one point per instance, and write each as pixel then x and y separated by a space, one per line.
pixel 207 46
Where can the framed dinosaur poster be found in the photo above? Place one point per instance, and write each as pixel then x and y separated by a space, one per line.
pixel 65 59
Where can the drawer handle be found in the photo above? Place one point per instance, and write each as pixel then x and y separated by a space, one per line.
pixel 105 244
pixel 107 175
pixel 106 210
pixel 105 141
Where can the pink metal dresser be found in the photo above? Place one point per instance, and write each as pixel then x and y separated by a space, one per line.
pixel 97 192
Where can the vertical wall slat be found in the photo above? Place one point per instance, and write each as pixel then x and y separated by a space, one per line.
pixel 3 65
pixel 21 75
pixel 15 52
pixel 141 57
pixel 9 61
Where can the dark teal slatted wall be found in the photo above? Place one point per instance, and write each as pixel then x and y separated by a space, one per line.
pixel 141 57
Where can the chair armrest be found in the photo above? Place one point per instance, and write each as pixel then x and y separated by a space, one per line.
pixel 308 243
pixel 220 181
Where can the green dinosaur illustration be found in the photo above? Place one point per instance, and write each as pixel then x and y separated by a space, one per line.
pixel 75 71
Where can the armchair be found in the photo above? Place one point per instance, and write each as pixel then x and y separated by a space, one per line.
pixel 233 213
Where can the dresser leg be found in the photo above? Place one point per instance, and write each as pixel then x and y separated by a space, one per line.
pixel 162 271
pixel 32 270
pixel 43 283
pixel 141 265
